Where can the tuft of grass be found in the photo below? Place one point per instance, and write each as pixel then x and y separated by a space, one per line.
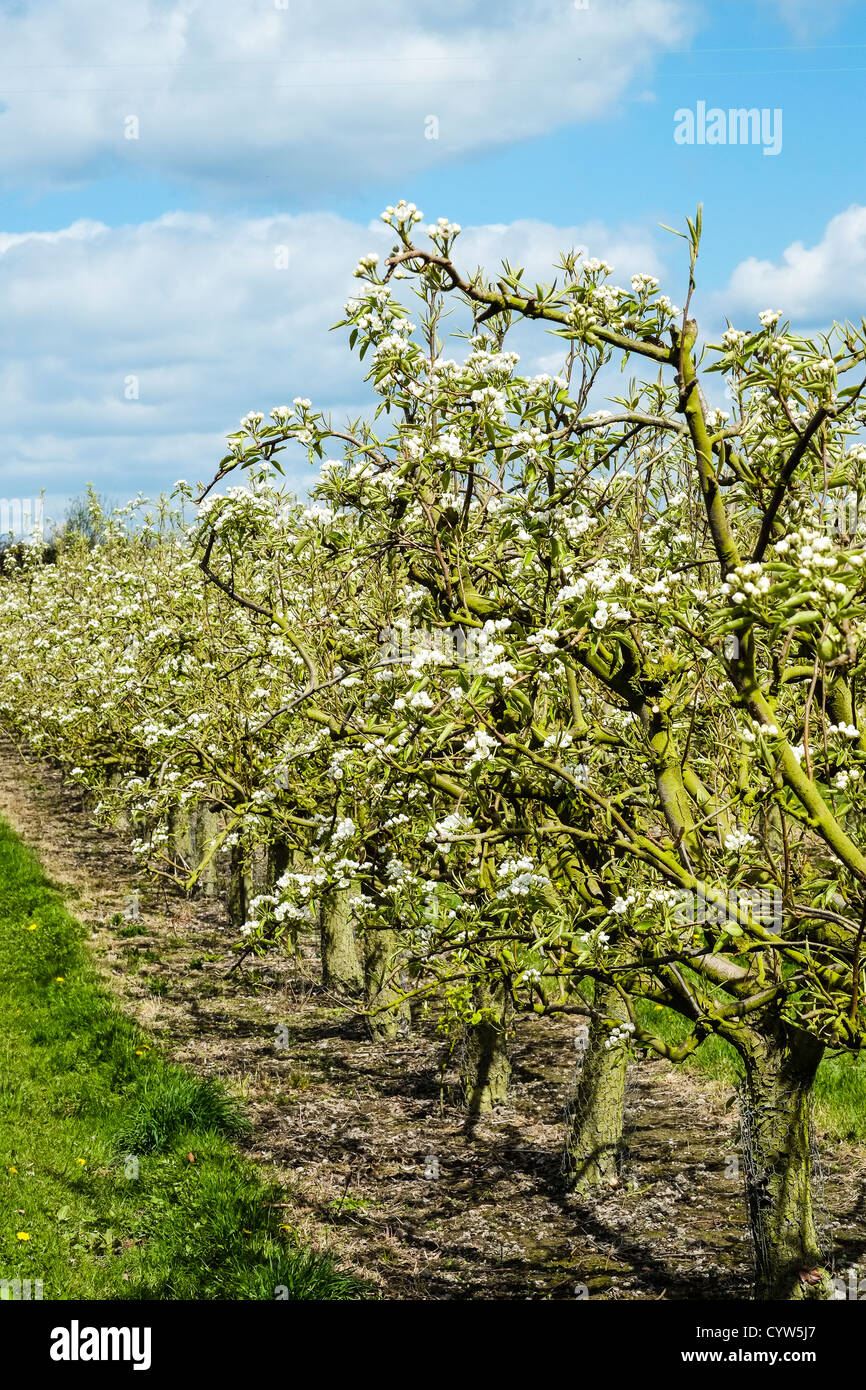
pixel 119 1177
pixel 173 1103
pixel 134 928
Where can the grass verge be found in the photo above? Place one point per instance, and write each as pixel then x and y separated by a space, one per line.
pixel 840 1086
pixel 118 1173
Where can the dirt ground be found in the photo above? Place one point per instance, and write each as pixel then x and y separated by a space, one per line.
pixel 377 1161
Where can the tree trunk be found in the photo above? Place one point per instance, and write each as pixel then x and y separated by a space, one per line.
pixel 181 839
pixel 776 1120
pixel 120 818
pixel 207 825
pixel 593 1143
pixel 281 858
pixel 238 888
pixel 485 1068
pixel 381 956
pixel 341 968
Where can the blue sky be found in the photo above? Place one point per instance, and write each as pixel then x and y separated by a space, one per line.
pixel 265 123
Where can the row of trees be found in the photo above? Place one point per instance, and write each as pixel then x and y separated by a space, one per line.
pixel 528 708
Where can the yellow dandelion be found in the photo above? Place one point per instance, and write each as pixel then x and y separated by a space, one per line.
pixel 34 926
pixel 23 1235
pixel 82 1161
pixel 13 1170
pixel 59 979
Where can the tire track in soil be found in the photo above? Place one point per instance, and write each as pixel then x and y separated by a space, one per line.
pixel 350 1127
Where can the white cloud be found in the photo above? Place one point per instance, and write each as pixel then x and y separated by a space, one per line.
pixel 240 93
pixel 806 19
pixel 194 308
pixel 812 284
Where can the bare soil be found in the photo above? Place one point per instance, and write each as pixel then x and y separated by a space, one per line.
pixel 376 1159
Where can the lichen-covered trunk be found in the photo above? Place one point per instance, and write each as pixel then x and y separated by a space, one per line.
pixel 120 818
pixel 593 1142
pixel 207 825
pixel 181 839
pixel 341 966
pixel 387 1014
pixel 485 1067
pixel 776 1114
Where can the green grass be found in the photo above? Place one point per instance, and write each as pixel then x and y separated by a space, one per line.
pixel 172 1103
pixel 840 1087
pixel 96 1133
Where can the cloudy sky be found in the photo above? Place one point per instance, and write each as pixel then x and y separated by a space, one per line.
pixel 187 185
